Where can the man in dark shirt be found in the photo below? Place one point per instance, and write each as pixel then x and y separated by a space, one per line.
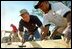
pixel 31 23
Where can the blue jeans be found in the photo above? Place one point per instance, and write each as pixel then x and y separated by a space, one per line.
pixel 36 35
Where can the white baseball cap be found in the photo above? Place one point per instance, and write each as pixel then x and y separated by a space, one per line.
pixel 23 11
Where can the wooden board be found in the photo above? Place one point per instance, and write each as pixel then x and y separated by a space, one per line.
pixel 38 44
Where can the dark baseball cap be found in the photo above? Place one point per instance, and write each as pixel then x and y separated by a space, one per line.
pixel 36 6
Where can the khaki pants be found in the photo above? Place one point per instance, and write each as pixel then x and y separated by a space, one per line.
pixel 58 31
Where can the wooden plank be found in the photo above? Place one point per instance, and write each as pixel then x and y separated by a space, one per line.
pixel 38 44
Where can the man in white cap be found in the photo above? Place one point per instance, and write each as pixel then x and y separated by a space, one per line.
pixel 31 23
pixel 56 13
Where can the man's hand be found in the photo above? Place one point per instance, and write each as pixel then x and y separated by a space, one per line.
pixel 30 37
pixel 44 32
pixel 21 36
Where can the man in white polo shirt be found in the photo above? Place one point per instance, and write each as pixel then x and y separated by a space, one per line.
pixel 55 13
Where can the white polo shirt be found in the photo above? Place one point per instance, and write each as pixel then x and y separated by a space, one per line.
pixel 55 15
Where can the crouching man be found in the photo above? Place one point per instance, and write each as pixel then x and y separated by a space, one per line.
pixel 31 23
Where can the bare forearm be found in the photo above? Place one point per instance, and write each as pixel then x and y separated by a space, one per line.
pixel 68 17
pixel 20 34
pixel 44 29
pixel 44 32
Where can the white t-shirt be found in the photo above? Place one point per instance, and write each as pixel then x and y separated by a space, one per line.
pixel 55 15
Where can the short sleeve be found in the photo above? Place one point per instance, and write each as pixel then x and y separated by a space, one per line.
pixel 20 25
pixel 60 8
